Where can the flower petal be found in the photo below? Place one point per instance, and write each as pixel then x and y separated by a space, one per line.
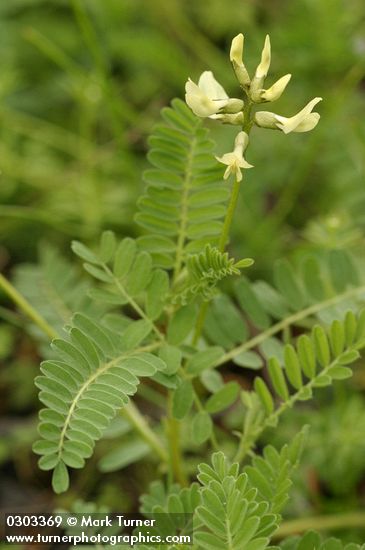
pixel 198 101
pixel 276 90
pixel 227 172
pixel 244 164
pixel 308 123
pixel 238 173
pixel 227 158
pixel 209 85
pixel 309 107
pixel 288 125
pixel 263 67
pixel 236 52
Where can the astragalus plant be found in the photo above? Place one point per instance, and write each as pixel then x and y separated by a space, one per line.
pixel 163 321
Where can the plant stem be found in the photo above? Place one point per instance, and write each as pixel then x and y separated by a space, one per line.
pixel 173 436
pixel 236 186
pixel 26 307
pixel 133 303
pixel 227 222
pixel 245 447
pixel 229 215
pixel 139 423
pixel 221 245
pixel 184 213
pixel 321 523
pixel 200 322
pixel 281 325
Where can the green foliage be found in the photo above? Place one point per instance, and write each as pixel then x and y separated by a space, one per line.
pixel 206 269
pixel 231 509
pixel 312 359
pixel 130 272
pixel 55 287
pixel 230 515
pixel 270 309
pixel 201 428
pixel 223 398
pixel 181 324
pixel 185 198
pixel 182 399
pixel 313 541
pixel 271 474
pixel 307 366
pixel 123 455
pixel 92 377
pixel 177 506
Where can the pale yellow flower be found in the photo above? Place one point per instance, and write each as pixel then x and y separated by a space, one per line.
pixel 304 121
pixel 207 97
pixel 235 160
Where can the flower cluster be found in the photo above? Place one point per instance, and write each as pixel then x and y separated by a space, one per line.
pixel 208 99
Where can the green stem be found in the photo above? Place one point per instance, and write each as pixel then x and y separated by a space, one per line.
pixel 229 216
pixel 227 222
pixel 184 213
pixel 173 436
pixel 321 523
pixel 221 245
pixel 133 303
pixel 199 405
pixel 282 325
pixel 26 307
pixel 200 322
pixel 139 423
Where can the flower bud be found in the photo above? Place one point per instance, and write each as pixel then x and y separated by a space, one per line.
pixel 276 90
pixel 236 57
pixel 236 53
pixel 265 119
pixel 236 119
pixel 241 143
pixel 233 106
pixel 263 67
pixel 261 72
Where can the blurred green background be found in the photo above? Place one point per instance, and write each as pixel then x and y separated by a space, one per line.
pixel 81 86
